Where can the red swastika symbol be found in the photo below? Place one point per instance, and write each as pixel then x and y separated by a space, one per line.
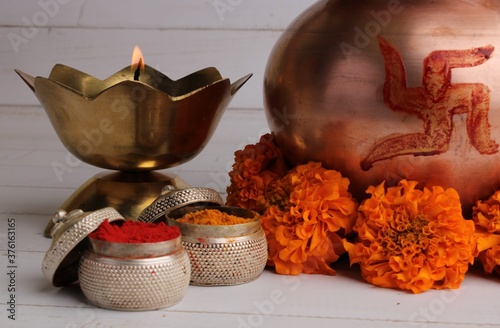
pixel 435 103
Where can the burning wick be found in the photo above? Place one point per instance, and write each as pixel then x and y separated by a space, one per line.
pixel 138 70
pixel 137 63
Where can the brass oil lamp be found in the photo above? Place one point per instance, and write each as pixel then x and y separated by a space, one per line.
pixel 136 122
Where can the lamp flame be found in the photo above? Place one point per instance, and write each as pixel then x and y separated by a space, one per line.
pixel 137 59
pixel 137 64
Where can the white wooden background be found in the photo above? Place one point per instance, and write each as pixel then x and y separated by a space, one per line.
pixel 176 37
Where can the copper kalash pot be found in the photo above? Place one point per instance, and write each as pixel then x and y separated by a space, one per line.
pixel 386 90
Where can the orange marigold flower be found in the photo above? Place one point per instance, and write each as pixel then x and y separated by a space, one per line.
pixel 412 239
pixel 255 169
pixel 486 217
pixel 312 211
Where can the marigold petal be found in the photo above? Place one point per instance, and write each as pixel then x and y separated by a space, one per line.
pixel 486 241
pixel 317 265
pixel 283 235
pixel 293 252
pixel 304 230
pixel 412 239
pixel 287 268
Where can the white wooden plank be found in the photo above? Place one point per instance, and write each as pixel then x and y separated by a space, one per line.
pixel 101 53
pixel 32 200
pixel 28 233
pixel 41 13
pixel 24 130
pixel 84 316
pixel 155 14
pixel 270 301
pixel 54 175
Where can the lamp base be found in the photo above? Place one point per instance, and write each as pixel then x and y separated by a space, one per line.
pixel 127 192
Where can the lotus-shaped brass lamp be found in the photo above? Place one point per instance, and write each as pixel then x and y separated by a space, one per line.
pixel 136 121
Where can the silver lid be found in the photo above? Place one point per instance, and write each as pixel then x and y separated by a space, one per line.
pixel 171 199
pixel 60 264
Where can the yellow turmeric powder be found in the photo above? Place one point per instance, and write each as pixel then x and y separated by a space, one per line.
pixel 213 217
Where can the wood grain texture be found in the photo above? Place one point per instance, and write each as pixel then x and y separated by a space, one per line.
pixel 175 53
pixel 156 14
pixel 97 37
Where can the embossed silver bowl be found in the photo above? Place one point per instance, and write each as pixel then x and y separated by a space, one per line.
pixel 132 277
pixel 222 255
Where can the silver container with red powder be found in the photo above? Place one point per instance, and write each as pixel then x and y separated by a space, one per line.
pixel 134 277
pixel 112 275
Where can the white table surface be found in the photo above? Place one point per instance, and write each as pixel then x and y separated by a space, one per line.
pixel 176 37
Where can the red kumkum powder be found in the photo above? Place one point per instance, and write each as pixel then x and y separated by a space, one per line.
pixel 134 232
